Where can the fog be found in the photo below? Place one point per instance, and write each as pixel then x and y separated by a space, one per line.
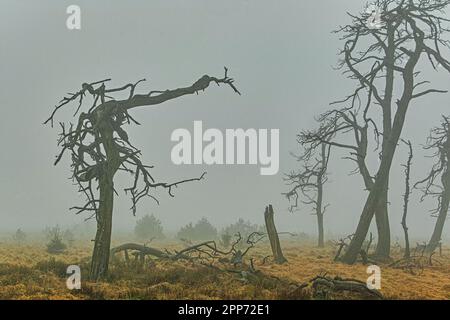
pixel 281 54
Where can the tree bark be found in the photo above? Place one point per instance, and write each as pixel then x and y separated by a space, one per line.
pixel 383 249
pixel 381 214
pixel 100 255
pixel 375 194
pixel 273 236
pixel 321 241
pixel 319 211
pixel 389 147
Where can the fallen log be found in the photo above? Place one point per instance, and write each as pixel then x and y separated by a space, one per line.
pixel 323 287
pixel 143 250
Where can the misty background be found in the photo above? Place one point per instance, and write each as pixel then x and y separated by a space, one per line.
pixel 281 54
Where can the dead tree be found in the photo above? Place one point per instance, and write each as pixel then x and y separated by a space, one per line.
pixel 437 183
pixel 336 125
pixel 308 184
pixel 382 58
pixel 406 198
pixel 273 236
pixel 99 147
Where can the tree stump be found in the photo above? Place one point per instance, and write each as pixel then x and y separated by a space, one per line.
pixel 273 236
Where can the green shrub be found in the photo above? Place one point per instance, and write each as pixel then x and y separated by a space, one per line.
pixel 149 227
pixel 201 231
pixel 19 236
pixel 55 244
pixel 244 228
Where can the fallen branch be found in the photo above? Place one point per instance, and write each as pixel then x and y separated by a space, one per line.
pixel 206 252
pixel 142 249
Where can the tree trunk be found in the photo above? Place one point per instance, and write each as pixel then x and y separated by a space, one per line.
pixel 319 211
pixel 321 242
pixel 376 192
pixel 100 256
pixel 407 166
pixel 381 214
pixel 407 247
pixel 383 249
pixel 389 147
pixel 442 216
pixel 273 236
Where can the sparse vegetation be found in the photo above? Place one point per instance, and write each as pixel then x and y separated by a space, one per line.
pixel 148 228
pixel 19 236
pixel 395 54
pixel 31 273
pixel 68 237
pixel 225 239
pixel 245 228
pixel 202 230
pixel 55 244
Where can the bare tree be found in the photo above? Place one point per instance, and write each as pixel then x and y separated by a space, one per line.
pixel 406 197
pixel 437 183
pixel 336 125
pixel 382 58
pixel 99 147
pixel 308 183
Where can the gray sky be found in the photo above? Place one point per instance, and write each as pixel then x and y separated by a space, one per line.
pixel 281 54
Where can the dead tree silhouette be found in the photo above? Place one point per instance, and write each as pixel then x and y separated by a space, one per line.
pixel 99 147
pixel 336 125
pixel 437 183
pixel 380 60
pixel 307 184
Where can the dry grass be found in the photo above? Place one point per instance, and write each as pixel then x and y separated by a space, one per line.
pixel 28 272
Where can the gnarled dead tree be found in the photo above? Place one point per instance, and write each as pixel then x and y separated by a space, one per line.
pixel 99 147
pixel 307 184
pixel 382 58
pixel 437 183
